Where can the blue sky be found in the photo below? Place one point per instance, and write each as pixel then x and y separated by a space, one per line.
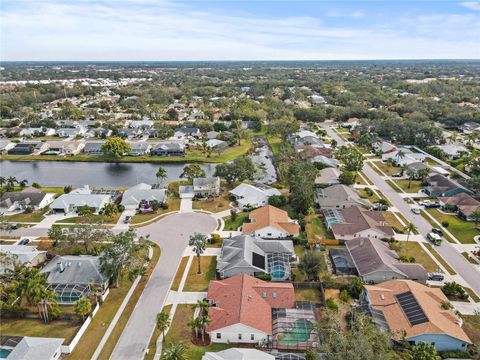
pixel 238 30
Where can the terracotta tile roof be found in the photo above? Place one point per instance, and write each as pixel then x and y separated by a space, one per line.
pixel 239 300
pixel 270 216
pixel 439 321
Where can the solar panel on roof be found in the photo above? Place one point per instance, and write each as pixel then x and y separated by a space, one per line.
pixel 258 260
pixel 412 310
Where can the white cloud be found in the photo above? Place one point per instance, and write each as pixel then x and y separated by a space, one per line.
pixel 151 30
pixel 472 5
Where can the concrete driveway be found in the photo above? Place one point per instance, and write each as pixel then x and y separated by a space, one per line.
pixel 172 234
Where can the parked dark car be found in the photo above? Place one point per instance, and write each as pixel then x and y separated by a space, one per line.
pixel 399 174
pixel 436 276
pixel 14 227
pixel 24 242
pixel 127 219
pixel 380 207
pixel 437 231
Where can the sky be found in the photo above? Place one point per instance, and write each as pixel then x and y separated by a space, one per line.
pixel 161 30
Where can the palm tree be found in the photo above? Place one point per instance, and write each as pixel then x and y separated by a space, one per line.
pixel 46 299
pixel 23 184
pixel 400 155
pixel 2 181
pixel 175 352
pixel 109 210
pixel 423 174
pixel 163 322
pixel 161 174
pixel 410 228
pixel 11 181
pixel 203 321
pixel 83 307
pixel 195 325
pixel 199 243
pixel 203 306
pixel 411 174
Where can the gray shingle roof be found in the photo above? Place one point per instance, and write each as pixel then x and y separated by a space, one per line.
pixel 81 269
pixel 36 348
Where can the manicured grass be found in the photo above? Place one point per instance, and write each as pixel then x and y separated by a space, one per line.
pixel 173 205
pixel 180 332
pixel 179 273
pixel 312 295
pixel 471 325
pixel 122 321
pixel 34 216
pixel 217 204
pixel 95 218
pixel 440 259
pixel 387 168
pixel 233 225
pixel 413 249
pixel 316 229
pixel 363 194
pixel 52 189
pixel 415 186
pixel 199 282
pixel 152 345
pixel 90 340
pixel 391 220
pixel 367 180
pixel 470 259
pixel 464 231
pixel 435 225
pixel 472 294
pixel 191 156
pixel 65 329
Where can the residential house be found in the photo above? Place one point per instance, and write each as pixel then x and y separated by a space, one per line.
pixel 212 135
pixel 78 198
pixel 184 132
pixel 464 204
pixel 217 144
pixel 75 276
pixel 440 186
pixel 309 152
pixel 88 123
pixel 93 148
pixel 205 187
pixel 28 148
pixel 238 354
pixel 353 222
pixel 329 162
pixel 129 133
pixel 306 137
pixel 403 156
pixel 141 195
pixel 383 147
pixel 22 254
pixel 269 222
pixel 5 146
pixel 244 254
pixel 144 124
pixel 98 132
pixel 31 132
pixel 241 308
pixel 31 348
pixel 338 197
pixel 454 151
pixel 415 313
pixel 328 176
pixel 415 168
pixel 168 149
pixel 251 196
pixel 470 127
pixel 375 262
pixel 64 148
pixel 26 198
pixel 71 132
pixel 139 148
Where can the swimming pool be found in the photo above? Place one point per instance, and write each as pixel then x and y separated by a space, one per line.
pixel 4 353
pixel 278 272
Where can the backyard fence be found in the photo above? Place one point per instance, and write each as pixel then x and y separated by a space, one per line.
pixel 67 349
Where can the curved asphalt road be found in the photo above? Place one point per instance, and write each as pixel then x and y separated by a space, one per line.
pixel 171 234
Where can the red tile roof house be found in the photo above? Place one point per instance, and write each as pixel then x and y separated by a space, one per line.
pixel 241 308
pixel 269 222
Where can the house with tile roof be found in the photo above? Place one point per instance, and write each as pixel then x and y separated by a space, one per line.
pixel 269 222
pixel 353 222
pixel 241 308
pixel 440 186
pixel 414 311
pixel 338 197
pixel 375 262
pixel 464 204
pixel 244 254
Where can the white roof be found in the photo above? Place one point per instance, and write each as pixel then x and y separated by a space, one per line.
pixel 24 253
pixel 78 200
pixel 452 149
pixel 140 192
pixel 249 194
pixel 238 354
pixel 36 348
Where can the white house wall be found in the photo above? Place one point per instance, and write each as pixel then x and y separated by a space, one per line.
pixel 229 334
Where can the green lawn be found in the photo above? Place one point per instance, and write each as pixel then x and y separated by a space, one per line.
pixel 413 249
pixel 386 168
pixel 122 321
pixel 233 225
pixel 34 216
pixel 35 327
pixel 316 229
pixel 471 325
pixel 464 231
pixel 415 186
pixel 152 345
pixel 173 205
pixel 363 194
pixel 94 218
pixel 392 220
pixel 440 259
pixel 426 217
pixel 180 332
pixel 199 282
pixel 179 273
pixel 220 203
pixel 312 295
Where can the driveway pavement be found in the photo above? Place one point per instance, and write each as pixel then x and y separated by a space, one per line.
pixel 447 250
pixel 171 233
